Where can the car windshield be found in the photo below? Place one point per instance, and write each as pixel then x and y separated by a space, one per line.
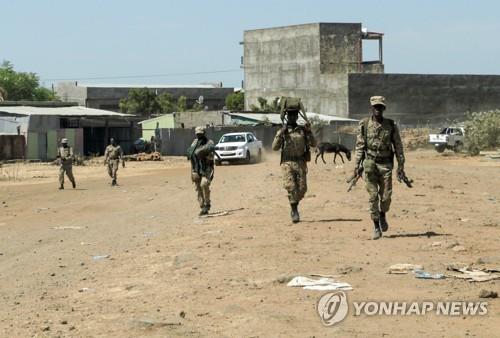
pixel 232 138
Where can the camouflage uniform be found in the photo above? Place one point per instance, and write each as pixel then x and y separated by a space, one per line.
pixel 112 157
pixel 65 155
pixel 375 147
pixel 293 162
pixel 201 155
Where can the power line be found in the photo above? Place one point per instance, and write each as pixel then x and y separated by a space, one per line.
pixel 143 76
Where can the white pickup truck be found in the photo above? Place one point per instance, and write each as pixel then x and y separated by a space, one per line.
pixel 448 138
pixel 238 147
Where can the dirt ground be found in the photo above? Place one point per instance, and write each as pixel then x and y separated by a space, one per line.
pixel 170 273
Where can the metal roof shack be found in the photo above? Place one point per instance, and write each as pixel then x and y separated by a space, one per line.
pixel 88 130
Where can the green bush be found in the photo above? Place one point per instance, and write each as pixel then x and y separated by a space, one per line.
pixel 482 131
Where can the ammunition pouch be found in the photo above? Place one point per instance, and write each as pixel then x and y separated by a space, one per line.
pixel 286 158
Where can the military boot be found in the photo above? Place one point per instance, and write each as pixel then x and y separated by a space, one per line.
pixel 203 211
pixel 377 233
pixel 113 183
pixel 74 184
pixel 384 226
pixel 295 213
pixel 61 187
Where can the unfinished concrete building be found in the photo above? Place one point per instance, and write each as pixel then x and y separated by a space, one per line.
pixel 311 61
pixel 323 63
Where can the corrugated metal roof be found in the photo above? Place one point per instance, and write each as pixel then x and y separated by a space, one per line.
pixel 59 111
pixel 275 118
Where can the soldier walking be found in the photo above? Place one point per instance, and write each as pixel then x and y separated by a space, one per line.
pixel 294 142
pixel 377 141
pixel 65 157
pixel 201 155
pixel 112 157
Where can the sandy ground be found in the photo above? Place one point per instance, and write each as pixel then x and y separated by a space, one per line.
pixel 170 273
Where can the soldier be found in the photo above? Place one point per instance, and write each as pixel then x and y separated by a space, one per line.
pixel 377 141
pixel 294 142
pixel 112 157
pixel 201 155
pixel 65 157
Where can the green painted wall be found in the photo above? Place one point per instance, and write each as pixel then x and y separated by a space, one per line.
pixel 148 126
pixel 32 152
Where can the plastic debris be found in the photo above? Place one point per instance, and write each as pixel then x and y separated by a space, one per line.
pixel 401 269
pixel 99 257
pixel 322 284
pixel 426 275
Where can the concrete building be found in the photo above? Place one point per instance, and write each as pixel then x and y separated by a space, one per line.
pixel 108 96
pixel 311 61
pixel 87 130
pixel 323 63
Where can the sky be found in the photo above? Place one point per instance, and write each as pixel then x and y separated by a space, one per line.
pixel 192 42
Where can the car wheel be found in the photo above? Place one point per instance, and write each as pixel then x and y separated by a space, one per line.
pixel 440 149
pixel 248 158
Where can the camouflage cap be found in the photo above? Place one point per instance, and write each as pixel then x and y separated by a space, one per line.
pixel 199 130
pixel 64 140
pixel 374 100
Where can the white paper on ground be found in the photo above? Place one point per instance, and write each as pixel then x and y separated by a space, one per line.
pixel 321 284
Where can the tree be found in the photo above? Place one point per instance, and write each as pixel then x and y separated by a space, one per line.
pixel 235 101
pixel 166 103
pixel 182 103
pixel 140 101
pixel 21 85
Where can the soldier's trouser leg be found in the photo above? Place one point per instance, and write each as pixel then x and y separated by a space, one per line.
pixel 199 191
pixel 205 190
pixel 294 180
pixel 69 173
pixel 385 186
pixel 61 175
pixel 115 170
pixel 372 182
pixel 110 169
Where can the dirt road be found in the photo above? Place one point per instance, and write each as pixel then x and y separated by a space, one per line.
pixel 170 273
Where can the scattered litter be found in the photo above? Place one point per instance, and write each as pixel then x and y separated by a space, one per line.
pixel 322 276
pixel 426 275
pixel 67 228
pixel 99 257
pixel 488 294
pixel 85 289
pixel 436 243
pixel 472 274
pixel 344 270
pixel 459 248
pixel 39 210
pixel 148 234
pixel 216 214
pixel 400 269
pixel 148 323
pixel 322 284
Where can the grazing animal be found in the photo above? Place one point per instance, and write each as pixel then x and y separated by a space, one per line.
pixel 326 147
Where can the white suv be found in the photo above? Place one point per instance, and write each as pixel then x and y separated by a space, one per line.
pixel 238 147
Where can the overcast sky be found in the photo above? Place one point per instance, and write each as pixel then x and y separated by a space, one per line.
pixel 100 41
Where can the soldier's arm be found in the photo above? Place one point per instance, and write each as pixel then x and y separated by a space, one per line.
pixel 120 153
pixel 359 149
pixel 106 155
pixel 205 149
pixel 398 147
pixel 278 140
pixel 71 154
